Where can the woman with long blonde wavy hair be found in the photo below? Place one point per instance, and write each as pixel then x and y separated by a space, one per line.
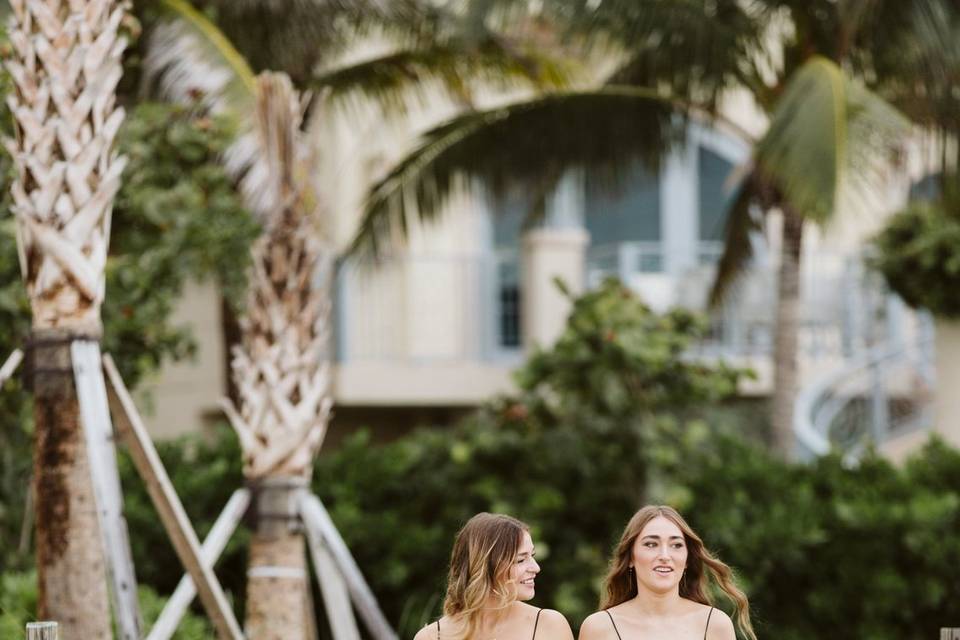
pixel 493 571
pixel 658 586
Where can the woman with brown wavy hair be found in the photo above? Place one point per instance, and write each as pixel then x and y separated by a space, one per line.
pixel 493 571
pixel 657 587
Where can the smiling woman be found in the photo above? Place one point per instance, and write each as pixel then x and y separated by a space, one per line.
pixel 493 571
pixel 658 586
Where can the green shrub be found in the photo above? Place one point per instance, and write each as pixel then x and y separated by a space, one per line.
pixel 918 254
pixel 18 606
pixel 822 549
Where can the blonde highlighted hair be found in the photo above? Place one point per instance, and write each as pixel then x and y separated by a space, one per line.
pixel 483 554
pixel 703 567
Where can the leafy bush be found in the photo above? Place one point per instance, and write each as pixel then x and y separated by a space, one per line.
pixel 823 549
pixel 577 448
pixel 919 255
pixel 18 606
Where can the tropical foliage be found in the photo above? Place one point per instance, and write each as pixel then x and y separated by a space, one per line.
pixel 177 217
pixel 919 250
pixel 918 254
pixel 805 65
pixel 864 551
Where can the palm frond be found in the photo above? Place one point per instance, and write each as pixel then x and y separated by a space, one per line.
pixel 454 66
pixel 932 66
pixel 602 132
pixel 695 48
pixel 824 135
pixel 189 39
pixel 743 221
pixel 191 59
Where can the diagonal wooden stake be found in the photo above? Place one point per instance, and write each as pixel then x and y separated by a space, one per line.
pixel 10 365
pixel 179 602
pixel 165 500
pixel 336 596
pixel 98 433
pixel 319 524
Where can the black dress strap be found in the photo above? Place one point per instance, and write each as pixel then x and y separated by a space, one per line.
pixel 613 623
pixel 708 624
pixel 438 630
pixel 535 623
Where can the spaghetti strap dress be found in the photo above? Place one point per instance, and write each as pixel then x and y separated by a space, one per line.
pixel 709 614
pixel 535 623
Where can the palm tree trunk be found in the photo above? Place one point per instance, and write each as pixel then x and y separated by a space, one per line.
pixel 277 570
pixel 785 377
pixel 65 65
pixel 71 573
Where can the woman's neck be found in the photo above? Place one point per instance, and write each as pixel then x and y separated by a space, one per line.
pixel 657 604
pixel 492 616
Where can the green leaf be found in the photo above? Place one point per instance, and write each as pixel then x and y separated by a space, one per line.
pixel 826 134
pixel 602 132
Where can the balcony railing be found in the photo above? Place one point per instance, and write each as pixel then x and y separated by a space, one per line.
pixel 844 307
pixel 424 308
pixel 468 307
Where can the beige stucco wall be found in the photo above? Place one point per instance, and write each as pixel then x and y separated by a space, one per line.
pixel 947 406
pixel 183 396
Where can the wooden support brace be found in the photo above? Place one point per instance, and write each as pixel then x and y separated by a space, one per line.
pixel 10 365
pixel 164 497
pixel 98 434
pixel 179 602
pixel 42 630
pixel 315 517
pixel 336 596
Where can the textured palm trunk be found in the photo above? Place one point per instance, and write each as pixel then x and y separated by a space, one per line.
pixel 65 65
pixel 282 372
pixel 277 570
pixel 72 575
pixel 785 378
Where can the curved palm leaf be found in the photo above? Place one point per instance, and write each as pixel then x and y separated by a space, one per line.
pixel 392 78
pixel 602 132
pixel 743 222
pixel 826 133
pixel 696 48
pixel 295 36
pixel 194 60
pixel 930 70
pixel 189 39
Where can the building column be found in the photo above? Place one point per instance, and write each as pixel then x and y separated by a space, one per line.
pixel 679 219
pixel 947 402
pixel 548 254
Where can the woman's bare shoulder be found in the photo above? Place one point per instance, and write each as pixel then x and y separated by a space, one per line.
pixel 554 625
pixel 429 632
pixel 596 627
pixel 721 626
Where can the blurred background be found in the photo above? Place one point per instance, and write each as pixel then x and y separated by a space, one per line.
pixel 589 254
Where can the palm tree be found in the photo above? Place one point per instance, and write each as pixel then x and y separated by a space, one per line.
pixel 65 66
pixel 804 63
pixel 281 368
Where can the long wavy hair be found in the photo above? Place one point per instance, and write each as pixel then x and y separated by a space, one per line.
pixel 703 567
pixel 483 554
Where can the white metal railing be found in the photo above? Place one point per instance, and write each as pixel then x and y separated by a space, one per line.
pixel 885 392
pixel 623 260
pixel 429 308
pixel 844 307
